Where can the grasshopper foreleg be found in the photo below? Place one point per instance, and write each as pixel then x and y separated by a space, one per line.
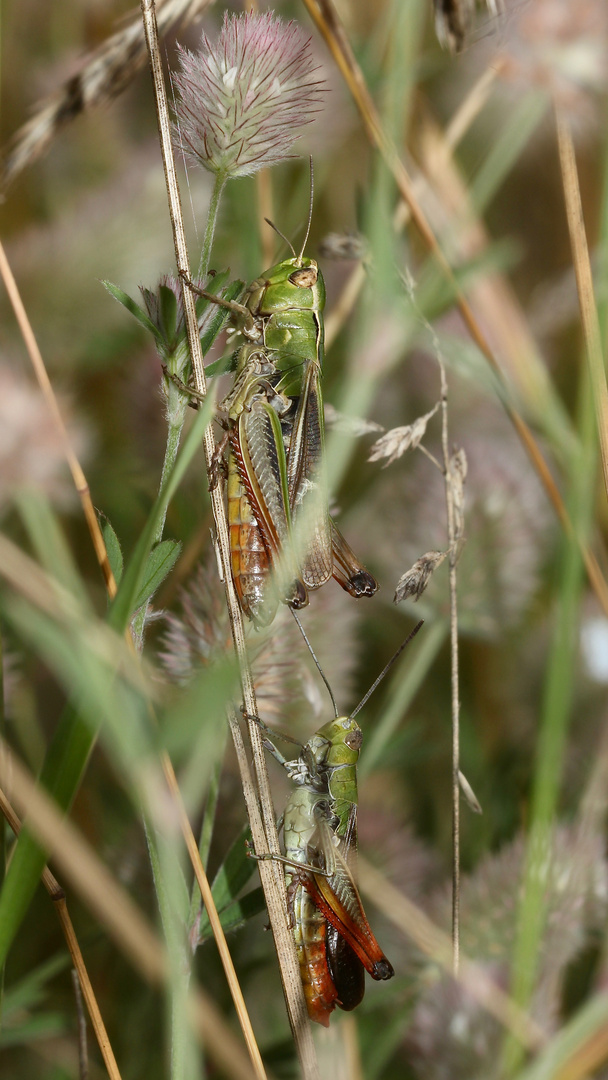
pixel 181 385
pixel 229 305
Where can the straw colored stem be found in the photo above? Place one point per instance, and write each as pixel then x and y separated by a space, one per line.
pixel 584 281
pixel 453 559
pixel 114 908
pixel 57 895
pixel 44 382
pixel 265 837
pixel 214 919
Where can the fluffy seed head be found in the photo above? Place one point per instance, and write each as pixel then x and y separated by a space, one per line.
pixel 243 100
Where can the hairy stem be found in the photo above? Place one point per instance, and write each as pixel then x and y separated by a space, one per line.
pixel 214 205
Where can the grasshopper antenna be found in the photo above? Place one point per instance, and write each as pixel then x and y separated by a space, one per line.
pixel 387 668
pixel 312 193
pixel 319 668
pixel 282 235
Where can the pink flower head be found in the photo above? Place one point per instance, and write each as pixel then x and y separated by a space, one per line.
pixel 243 100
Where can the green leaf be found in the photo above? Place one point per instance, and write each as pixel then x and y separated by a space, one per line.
pixel 29 991
pixel 113 548
pixel 221 366
pixel 35 1027
pixel 233 875
pixel 49 543
pixel 73 740
pixel 161 561
pixel 235 914
pixel 132 580
pixel 64 764
pixel 168 313
pixel 221 316
pixel 135 310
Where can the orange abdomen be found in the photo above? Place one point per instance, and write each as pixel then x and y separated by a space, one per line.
pixel 310 933
pixel 249 558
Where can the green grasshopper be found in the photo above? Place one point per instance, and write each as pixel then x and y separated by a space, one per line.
pixel 334 941
pixel 277 488
pixel 333 938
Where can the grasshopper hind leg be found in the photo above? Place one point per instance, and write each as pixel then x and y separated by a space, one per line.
pixel 347 570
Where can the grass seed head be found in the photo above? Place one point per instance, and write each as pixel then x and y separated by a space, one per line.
pixel 243 100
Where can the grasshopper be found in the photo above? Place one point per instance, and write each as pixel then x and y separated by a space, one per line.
pixel 333 938
pixel 277 489
pixel 334 941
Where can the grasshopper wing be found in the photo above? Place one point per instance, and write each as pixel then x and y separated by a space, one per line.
pixel 258 446
pixel 307 484
pixel 337 897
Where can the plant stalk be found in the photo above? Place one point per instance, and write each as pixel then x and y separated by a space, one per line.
pixel 263 829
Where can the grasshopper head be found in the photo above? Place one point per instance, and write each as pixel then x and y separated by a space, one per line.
pixel 293 283
pixel 343 732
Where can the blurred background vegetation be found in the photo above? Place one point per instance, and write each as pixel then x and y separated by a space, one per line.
pixel 477 131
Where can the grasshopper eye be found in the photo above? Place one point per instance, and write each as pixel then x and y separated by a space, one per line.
pixel 354 739
pixel 305 278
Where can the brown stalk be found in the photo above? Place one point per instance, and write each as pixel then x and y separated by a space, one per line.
pixel 83 1053
pixel 80 481
pixel 434 943
pixel 327 22
pixel 114 908
pixel 453 549
pixel 57 895
pixel 263 830
pixel 584 282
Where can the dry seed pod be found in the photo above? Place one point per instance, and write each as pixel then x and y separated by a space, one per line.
pixel 395 442
pixel 458 474
pixel 415 580
pixel 349 425
pixel 343 246
pixel 469 794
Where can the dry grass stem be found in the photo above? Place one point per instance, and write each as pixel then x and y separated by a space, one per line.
pixel 584 281
pixel 265 838
pixel 434 943
pixel 83 1053
pixel 326 20
pixel 454 473
pixel 44 382
pixel 114 908
pixel 57 895
pixel 214 919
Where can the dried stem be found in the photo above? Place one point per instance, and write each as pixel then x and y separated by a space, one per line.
pixel 80 481
pixel 115 909
pixel 453 559
pixel 454 524
pixel 263 828
pixel 57 895
pixel 98 542
pixel 83 1053
pixel 584 282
